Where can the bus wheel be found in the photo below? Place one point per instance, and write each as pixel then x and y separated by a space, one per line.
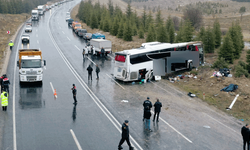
pixel 190 66
pixel 151 77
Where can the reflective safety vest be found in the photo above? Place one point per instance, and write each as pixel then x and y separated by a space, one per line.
pixel 4 99
pixel 11 44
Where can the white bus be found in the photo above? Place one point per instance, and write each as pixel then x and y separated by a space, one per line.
pixel 137 64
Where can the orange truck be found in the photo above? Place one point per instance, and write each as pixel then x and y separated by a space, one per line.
pixel 76 25
pixel 30 65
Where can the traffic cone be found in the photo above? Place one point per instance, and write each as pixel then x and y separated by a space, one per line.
pixel 55 94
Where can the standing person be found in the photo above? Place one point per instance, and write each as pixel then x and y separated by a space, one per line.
pixel 74 91
pixel 83 53
pixel 90 69
pixel 4 97
pixel 157 106
pixel 6 83
pixel 11 44
pixel 102 52
pixel 245 132
pixel 97 70
pixel 147 106
pixel 1 83
pixel 86 50
pixel 125 136
pixel 147 116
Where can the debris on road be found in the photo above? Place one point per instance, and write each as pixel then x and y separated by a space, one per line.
pixel 208 127
pixel 124 101
pixel 191 94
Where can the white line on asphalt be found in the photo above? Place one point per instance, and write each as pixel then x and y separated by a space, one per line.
pixel 115 82
pixel 74 137
pixel 91 61
pixel 14 101
pixel 63 32
pixel 111 56
pixel 37 42
pixel 164 89
pixel 106 112
pixel 68 38
pixel 77 48
pixel 220 123
pixel 52 87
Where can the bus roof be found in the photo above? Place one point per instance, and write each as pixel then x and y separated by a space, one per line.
pixel 154 47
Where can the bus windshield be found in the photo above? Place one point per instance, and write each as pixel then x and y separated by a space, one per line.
pixel 120 58
pixel 31 63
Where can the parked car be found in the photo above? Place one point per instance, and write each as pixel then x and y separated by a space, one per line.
pixel 28 23
pixel 70 21
pixel 67 18
pixel 28 29
pixel 77 30
pixel 98 36
pixel 25 38
pixel 87 36
pixel 82 32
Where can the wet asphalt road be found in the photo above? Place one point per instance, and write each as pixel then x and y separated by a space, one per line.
pixel 43 122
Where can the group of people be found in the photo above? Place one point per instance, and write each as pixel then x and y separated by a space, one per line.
pixel 4 82
pixel 90 69
pixel 146 117
pixel 85 51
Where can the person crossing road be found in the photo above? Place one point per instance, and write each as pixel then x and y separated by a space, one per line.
pixel 74 91
pixel 125 136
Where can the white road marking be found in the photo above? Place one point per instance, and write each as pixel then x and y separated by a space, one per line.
pixel 91 61
pixel 220 123
pixel 52 87
pixel 106 112
pixel 37 42
pixel 164 89
pixel 68 38
pixel 74 137
pixel 115 82
pixel 14 101
pixel 77 48
pixel 111 56
pixel 63 32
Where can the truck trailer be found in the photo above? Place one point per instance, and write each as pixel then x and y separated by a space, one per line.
pixel 99 43
pixel 30 65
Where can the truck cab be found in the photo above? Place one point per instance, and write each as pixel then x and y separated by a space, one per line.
pixel 76 25
pixel 35 15
pixel 30 65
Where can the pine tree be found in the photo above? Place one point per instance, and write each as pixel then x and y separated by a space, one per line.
pixel 162 34
pixel 141 33
pixel 248 61
pixel 127 33
pixel 129 11
pixel 150 35
pixel 202 33
pixel 106 25
pixel 236 41
pixel 120 31
pixel 239 30
pixel 110 7
pixel 187 31
pixel 171 32
pixel 94 23
pixel 226 50
pixel 115 27
pixel 158 20
pixel 208 41
pixel 144 19
pixel 134 30
pixel 179 36
pixel 168 23
pixel 149 21
pixel 217 33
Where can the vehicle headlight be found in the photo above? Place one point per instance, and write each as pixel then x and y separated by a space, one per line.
pixel 23 72
pixel 39 71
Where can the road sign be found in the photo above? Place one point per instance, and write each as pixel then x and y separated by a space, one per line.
pixel 8 32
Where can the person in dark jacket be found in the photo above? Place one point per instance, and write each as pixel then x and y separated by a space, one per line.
pixel 157 106
pixel 74 91
pixel 6 83
pixel 147 116
pixel 1 83
pixel 245 132
pixel 90 69
pixel 147 106
pixel 102 52
pixel 97 70
pixel 125 135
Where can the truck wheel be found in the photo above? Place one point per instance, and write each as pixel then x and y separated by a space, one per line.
pixel 190 66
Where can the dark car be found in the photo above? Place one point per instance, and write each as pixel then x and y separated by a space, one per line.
pixel 70 22
pixel 87 36
pixel 77 30
pixel 82 32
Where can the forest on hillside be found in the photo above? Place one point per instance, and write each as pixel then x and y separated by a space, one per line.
pixel 19 6
pixel 241 0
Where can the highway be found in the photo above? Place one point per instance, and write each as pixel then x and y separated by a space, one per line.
pixel 36 120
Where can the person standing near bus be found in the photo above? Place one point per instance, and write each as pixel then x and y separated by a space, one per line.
pixel 4 97
pixel 157 106
pixel 97 70
pixel 147 106
pixel 90 69
pixel 102 52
